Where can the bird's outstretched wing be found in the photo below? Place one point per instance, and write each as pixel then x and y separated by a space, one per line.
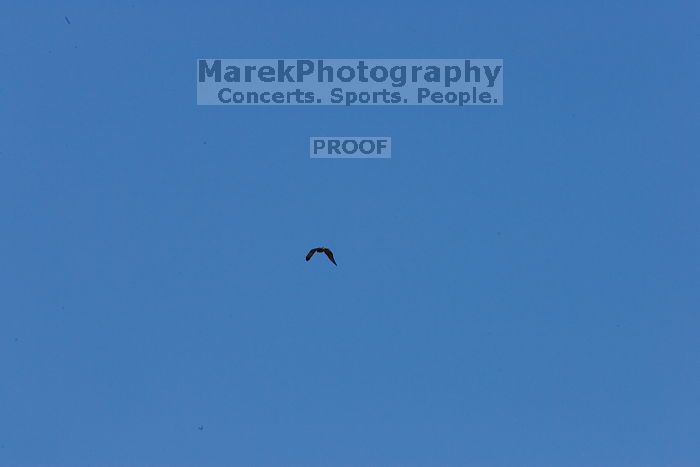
pixel 329 253
pixel 310 254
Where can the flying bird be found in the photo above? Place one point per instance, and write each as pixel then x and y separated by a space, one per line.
pixel 321 249
pixel 67 20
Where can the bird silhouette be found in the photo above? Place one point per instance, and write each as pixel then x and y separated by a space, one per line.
pixel 321 249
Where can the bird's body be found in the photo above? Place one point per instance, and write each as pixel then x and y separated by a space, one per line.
pixel 321 249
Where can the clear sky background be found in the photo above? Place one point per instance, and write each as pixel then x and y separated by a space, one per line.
pixel 517 286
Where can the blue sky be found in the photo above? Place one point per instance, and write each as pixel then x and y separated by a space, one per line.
pixel 518 285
